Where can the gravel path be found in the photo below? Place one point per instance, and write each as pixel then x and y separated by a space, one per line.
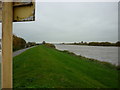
pixel 17 52
pixel 20 51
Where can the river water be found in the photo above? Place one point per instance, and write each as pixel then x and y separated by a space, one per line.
pixel 107 54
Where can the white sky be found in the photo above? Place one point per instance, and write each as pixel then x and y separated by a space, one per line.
pixel 62 0
pixel 71 22
pixel 77 0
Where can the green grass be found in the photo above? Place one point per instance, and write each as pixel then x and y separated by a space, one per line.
pixel 44 67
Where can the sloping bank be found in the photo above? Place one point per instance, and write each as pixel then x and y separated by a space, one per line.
pixel 44 67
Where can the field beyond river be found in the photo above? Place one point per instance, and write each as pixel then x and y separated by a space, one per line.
pixel 45 67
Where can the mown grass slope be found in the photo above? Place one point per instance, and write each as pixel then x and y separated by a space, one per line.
pixel 44 67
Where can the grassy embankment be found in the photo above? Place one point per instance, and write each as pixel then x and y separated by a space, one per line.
pixel 43 67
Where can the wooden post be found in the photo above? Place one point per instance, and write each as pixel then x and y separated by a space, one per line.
pixel 7 19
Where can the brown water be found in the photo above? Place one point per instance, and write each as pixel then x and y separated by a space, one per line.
pixel 107 54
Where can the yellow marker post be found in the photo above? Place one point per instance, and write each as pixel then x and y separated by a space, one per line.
pixel 7 21
pixel 12 12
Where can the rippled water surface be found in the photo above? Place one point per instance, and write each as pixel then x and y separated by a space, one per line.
pixel 107 54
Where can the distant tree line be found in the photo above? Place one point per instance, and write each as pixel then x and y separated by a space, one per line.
pixel 48 44
pixel 104 44
pixel 20 43
pixel 94 43
pixel 30 44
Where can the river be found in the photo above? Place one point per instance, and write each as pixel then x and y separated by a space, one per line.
pixel 107 54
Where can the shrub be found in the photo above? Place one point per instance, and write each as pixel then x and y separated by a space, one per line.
pixel 50 45
pixel 18 43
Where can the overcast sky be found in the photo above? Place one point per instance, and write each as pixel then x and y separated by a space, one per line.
pixel 71 22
